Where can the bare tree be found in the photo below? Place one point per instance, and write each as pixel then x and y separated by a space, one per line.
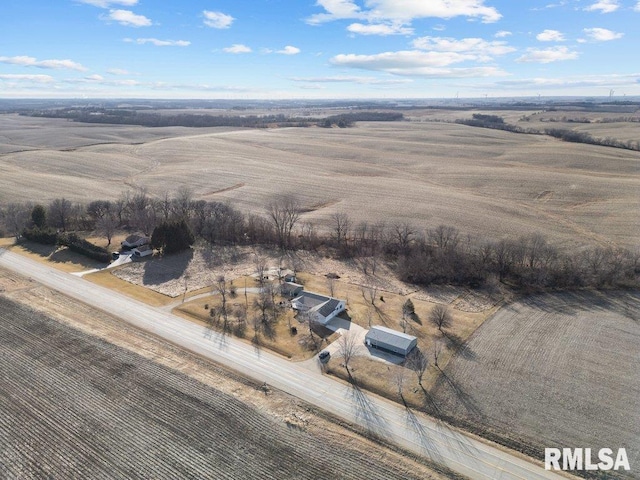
pixel 284 213
pixel 59 213
pixel 399 378
pixel 261 268
pixel 348 348
pixel 437 351
pixel 444 236
pixel 331 286
pixel 370 294
pixel 107 226
pixel 417 362
pixel 403 235
pixel 222 290
pixel 341 228
pixel 440 316
pixel 16 217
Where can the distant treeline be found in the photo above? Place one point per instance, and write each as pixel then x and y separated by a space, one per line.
pixel 419 254
pixel 149 119
pixel 496 122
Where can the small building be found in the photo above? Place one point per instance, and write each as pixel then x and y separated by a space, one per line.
pixel 320 308
pixel 291 289
pixel 133 241
pixel 142 251
pixel 390 340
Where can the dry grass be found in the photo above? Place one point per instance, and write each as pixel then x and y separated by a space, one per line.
pixel 279 338
pixel 106 279
pixel 487 183
pixel 58 257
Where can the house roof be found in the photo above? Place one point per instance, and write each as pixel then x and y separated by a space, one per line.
pixel 311 300
pixel 390 337
pixel 328 307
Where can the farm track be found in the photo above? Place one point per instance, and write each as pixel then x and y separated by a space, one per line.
pixel 73 406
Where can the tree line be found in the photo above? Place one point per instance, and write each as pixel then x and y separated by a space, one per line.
pixel 566 135
pixel 423 256
pixel 149 119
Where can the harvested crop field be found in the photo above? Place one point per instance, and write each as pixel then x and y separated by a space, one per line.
pixel 487 183
pixel 74 406
pixel 554 370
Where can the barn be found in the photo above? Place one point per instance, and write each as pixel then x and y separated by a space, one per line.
pixel 390 340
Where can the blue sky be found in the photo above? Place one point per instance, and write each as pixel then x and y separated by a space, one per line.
pixel 318 48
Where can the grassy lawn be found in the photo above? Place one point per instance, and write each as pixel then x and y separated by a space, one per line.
pixel 106 279
pixel 276 337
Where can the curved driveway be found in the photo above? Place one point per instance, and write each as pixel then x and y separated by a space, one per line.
pixel 414 431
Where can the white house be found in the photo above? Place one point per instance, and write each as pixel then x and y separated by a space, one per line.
pixel 320 308
pixel 390 340
pixel 133 241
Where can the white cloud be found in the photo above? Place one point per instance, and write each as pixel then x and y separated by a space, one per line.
pixel 109 3
pixel 237 48
pixel 550 36
pixel 404 11
pixel 27 78
pixel 217 19
pixel 26 61
pixel 476 48
pixel 604 6
pixel 128 18
pixel 382 29
pixel 94 78
pixel 605 81
pixel 118 71
pixel 415 63
pixel 160 43
pixel 602 34
pixel 502 34
pixel 637 7
pixel 548 55
pixel 289 50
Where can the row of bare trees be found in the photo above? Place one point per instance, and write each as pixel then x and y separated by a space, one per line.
pixel 440 255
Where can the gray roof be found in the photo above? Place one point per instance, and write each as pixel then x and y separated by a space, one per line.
pixel 390 337
pixel 328 307
pixel 311 300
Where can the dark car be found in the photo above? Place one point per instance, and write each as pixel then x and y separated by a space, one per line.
pixel 324 356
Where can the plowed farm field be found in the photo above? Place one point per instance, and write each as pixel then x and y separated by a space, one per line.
pixel 75 406
pixel 554 370
pixel 486 183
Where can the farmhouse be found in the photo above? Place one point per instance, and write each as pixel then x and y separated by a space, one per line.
pixel 133 241
pixel 390 340
pixel 319 307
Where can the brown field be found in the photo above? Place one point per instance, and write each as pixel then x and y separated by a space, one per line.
pixel 487 183
pixel 75 406
pixel 553 370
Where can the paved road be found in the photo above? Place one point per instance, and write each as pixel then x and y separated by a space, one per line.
pixel 413 431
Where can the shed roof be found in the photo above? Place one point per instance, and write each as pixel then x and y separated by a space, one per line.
pixel 390 337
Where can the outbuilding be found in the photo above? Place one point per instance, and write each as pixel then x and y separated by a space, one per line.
pixel 390 340
pixel 291 289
